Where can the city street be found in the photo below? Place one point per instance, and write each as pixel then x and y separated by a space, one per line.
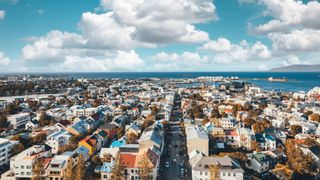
pixel 174 162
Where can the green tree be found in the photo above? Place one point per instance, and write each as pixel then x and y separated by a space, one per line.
pixel 17 148
pixel 44 119
pixel 39 138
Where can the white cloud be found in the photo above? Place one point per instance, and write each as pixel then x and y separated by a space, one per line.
pixel 4 60
pixel 185 59
pixel 289 14
pixel 222 44
pixel 226 52
pixel 121 61
pixel 40 11
pixel 54 45
pixel 2 14
pixel 292 60
pixel 165 21
pixel 297 40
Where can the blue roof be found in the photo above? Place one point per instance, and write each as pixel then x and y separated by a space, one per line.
pixel 269 137
pixel 106 167
pixel 82 150
pixel 118 143
pixel 260 138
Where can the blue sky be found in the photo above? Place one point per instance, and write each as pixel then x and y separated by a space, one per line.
pixel 151 35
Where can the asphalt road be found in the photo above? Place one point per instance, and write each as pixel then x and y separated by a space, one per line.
pixel 175 150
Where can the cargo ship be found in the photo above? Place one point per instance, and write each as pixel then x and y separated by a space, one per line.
pixel 278 79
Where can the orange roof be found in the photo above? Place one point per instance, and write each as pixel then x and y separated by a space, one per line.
pixel 231 133
pixel 128 160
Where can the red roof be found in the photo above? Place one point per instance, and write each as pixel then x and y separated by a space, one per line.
pixel 128 160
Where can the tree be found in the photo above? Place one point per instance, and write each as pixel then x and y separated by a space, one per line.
pixel 117 169
pixel 205 120
pixel 255 146
pixel 296 129
pixel 96 160
pixel 301 163
pixel 248 122
pixel 258 128
pixel 131 137
pixel 145 168
pixel 38 169
pixel 107 157
pixel 39 138
pixel 80 169
pixel 16 149
pixel 315 117
pixel 69 174
pixel 215 113
pixel 154 110
pixel 3 122
pixel 44 119
pixel 214 172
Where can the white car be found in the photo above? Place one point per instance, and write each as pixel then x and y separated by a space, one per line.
pixel 167 164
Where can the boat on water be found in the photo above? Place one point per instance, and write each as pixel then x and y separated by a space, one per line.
pixel 272 79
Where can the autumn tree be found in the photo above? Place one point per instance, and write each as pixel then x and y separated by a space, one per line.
pixel 38 169
pixel 17 148
pixel 69 174
pixel 296 129
pixel 117 169
pixel 255 146
pixel 205 120
pixel 315 117
pixel 80 169
pixel 145 168
pixel 107 157
pixel 131 137
pixel 44 119
pixel 214 172
pixel 39 138
pixel 3 122
pixel 301 163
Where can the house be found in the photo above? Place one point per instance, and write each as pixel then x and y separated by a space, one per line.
pixel 197 139
pixel 315 153
pixel 79 128
pixel 5 149
pixel 228 122
pixel 92 143
pixel 245 137
pixel 21 164
pixel 134 128
pixel 106 170
pixel 58 139
pixel 150 138
pixel 111 151
pixel 228 168
pixel 32 124
pixel 19 120
pixel 59 163
pixel 103 136
pixel 258 162
pixel 110 129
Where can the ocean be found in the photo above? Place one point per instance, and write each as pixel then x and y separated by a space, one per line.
pixel 297 81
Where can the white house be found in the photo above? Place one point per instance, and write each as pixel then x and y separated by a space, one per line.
pixel 19 120
pixel 5 150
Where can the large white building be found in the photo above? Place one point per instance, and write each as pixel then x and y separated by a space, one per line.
pixel 21 164
pixel 58 139
pixel 19 120
pixel 197 139
pixel 5 149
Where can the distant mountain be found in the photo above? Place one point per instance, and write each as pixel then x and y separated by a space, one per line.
pixel 298 68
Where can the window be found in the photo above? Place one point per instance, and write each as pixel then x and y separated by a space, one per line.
pixel 132 170
pixel 229 174
pixel 223 174
pixel 206 173
pixel 22 167
pixel 200 172
pixel 234 174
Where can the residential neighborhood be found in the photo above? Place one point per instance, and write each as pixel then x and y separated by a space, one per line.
pixel 161 129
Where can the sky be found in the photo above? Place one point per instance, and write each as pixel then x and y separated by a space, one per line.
pixel 157 36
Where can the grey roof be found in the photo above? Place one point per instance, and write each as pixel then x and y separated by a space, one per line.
pixel 224 163
pixel 196 133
